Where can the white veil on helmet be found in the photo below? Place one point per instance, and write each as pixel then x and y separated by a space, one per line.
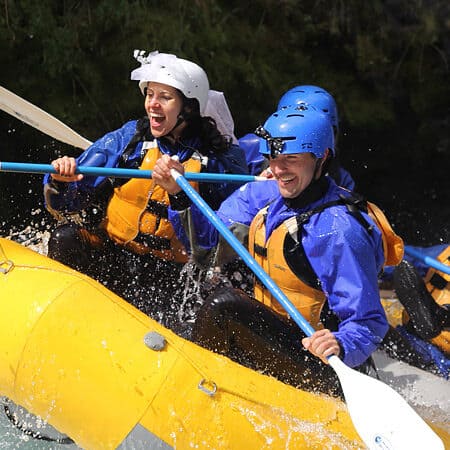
pixel 179 73
pixel 217 108
pixel 190 79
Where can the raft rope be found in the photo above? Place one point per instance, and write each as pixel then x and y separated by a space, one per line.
pixel 29 432
pixel 5 264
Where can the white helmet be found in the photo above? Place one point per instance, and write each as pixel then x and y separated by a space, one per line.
pixel 179 73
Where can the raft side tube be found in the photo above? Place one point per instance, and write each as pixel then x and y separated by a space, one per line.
pixel 78 359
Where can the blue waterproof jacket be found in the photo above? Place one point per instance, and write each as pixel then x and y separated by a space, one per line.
pixel 344 255
pixel 106 152
pixel 256 161
pixel 343 178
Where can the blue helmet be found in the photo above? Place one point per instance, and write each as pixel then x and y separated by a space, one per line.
pixel 312 95
pixel 296 129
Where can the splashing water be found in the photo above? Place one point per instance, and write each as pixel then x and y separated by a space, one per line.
pixel 182 312
pixel 20 429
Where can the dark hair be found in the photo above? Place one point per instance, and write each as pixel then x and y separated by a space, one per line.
pixel 203 127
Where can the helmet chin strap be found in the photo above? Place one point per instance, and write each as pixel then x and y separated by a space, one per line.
pixel 320 162
pixel 318 167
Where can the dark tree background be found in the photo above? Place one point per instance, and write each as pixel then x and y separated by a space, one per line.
pixel 386 63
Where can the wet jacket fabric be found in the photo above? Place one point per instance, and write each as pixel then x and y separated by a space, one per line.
pixel 256 161
pixel 107 152
pixel 345 257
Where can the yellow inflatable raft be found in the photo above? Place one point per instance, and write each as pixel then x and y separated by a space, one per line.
pixel 105 374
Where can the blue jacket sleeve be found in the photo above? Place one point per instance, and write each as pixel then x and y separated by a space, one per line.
pixel 240 207
pixel 347 261
pixel 256 162
pixel 105 152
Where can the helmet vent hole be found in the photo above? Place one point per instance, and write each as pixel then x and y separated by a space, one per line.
pixel 295 115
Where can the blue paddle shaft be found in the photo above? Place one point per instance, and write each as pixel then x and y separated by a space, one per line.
pixel 127 173
pixel 354 384
pixel 428 260
pixel 243 253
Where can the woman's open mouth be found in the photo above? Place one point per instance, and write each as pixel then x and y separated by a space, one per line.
pixel 156 120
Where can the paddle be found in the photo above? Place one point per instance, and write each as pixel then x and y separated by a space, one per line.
pixel 383 419
pixel 128 173
pixel 428 260
pixel 37 118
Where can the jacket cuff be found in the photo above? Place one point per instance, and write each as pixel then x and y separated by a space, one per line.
pixel 180 201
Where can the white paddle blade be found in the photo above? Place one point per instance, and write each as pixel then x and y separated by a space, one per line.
pixel 39 119
pixel 382 418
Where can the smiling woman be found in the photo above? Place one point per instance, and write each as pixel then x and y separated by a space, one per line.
pixel 132 218
pixel 163 105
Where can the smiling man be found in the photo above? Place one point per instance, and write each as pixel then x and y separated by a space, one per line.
pixel 313 238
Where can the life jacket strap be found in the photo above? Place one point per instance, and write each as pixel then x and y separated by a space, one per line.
pixel 259 250
pixel 158 209
pixel 438 281
pixel 153 242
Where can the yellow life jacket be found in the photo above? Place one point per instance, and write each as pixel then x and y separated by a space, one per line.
pixel 438 284
pixel 308 300
pixel 136 216
pixel 393 246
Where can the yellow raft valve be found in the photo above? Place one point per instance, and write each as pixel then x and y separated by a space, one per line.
pixel 155 341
